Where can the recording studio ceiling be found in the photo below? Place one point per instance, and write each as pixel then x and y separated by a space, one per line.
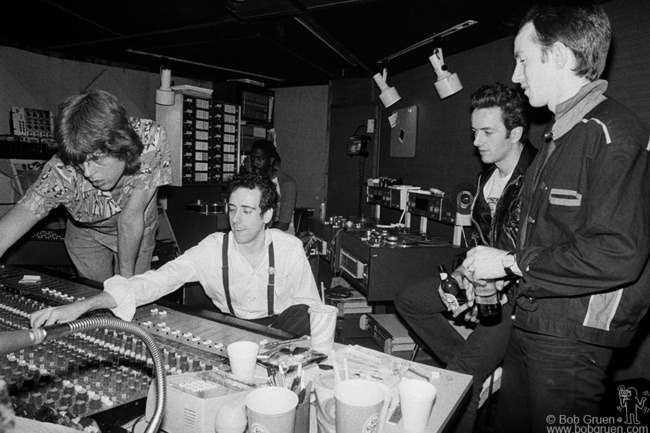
pixel 276 42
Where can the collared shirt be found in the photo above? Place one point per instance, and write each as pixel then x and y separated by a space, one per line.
pixel 61 184
pixel 294 280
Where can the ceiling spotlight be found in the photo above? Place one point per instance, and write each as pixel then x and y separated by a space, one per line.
pixel 388 95
pixel 165 94
pixel 447 83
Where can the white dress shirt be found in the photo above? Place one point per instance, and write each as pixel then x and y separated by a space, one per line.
pixel 294 280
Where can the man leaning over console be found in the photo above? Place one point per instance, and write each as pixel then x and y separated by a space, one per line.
pixel 252 272
pixel 500 129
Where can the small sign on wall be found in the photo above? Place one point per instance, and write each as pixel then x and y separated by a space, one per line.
pixel 403 123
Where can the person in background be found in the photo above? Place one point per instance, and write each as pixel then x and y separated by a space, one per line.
pixel 252 272
pixel 266 160
pixel 106 173
pixel 583 249
pixel 500 127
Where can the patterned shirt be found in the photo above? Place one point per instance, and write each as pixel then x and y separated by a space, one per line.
pixel 61 184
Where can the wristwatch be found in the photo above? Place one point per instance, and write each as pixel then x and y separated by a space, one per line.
pixel 508 262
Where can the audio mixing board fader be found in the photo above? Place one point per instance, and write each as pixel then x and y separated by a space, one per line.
pixel 102 374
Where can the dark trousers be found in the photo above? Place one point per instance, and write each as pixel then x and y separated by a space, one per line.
pixel 478 356
pixel 545 378
pixel 294 320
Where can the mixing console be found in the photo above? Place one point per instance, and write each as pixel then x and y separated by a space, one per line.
pixel 103 373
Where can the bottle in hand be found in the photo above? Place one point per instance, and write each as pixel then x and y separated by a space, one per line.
pixel 453 293
pixel 489 307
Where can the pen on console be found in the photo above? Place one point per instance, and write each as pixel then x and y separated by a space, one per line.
pixel 299 374
pixel 305 392
pixel 295 385
pixel 281 380
pixel 337 375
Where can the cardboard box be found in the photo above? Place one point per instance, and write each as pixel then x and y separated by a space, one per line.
pixel 193 400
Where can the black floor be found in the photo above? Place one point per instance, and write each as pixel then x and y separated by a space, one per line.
pixel 613 408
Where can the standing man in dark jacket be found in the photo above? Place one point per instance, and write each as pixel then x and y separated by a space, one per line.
pixel 584 239
pixel 500 128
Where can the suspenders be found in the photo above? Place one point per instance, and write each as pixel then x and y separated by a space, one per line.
pixel 270 287
pixel 226 284
pixel 224 271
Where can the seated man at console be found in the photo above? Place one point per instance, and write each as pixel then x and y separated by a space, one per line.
pixel 500 129
pixel 252 272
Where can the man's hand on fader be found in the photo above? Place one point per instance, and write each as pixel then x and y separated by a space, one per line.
pixel 53 315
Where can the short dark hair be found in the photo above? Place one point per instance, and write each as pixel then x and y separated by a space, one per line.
pixel 267 147
pixel 582 26
pixel 269 198
pixel 96 121
pixel 513 105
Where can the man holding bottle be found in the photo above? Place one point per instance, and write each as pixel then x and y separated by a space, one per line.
pixel 583 246
pixel 500 127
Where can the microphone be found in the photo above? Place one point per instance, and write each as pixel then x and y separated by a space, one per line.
pixel 16 340
pixel 464 201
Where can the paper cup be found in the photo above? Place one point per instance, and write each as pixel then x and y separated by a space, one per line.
pixel 271 410
pixel 243 356
pixel 358 405
pixel 325 407
pixel 388 394
pixel 230 419
pixel 322 324
pixel 416 399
